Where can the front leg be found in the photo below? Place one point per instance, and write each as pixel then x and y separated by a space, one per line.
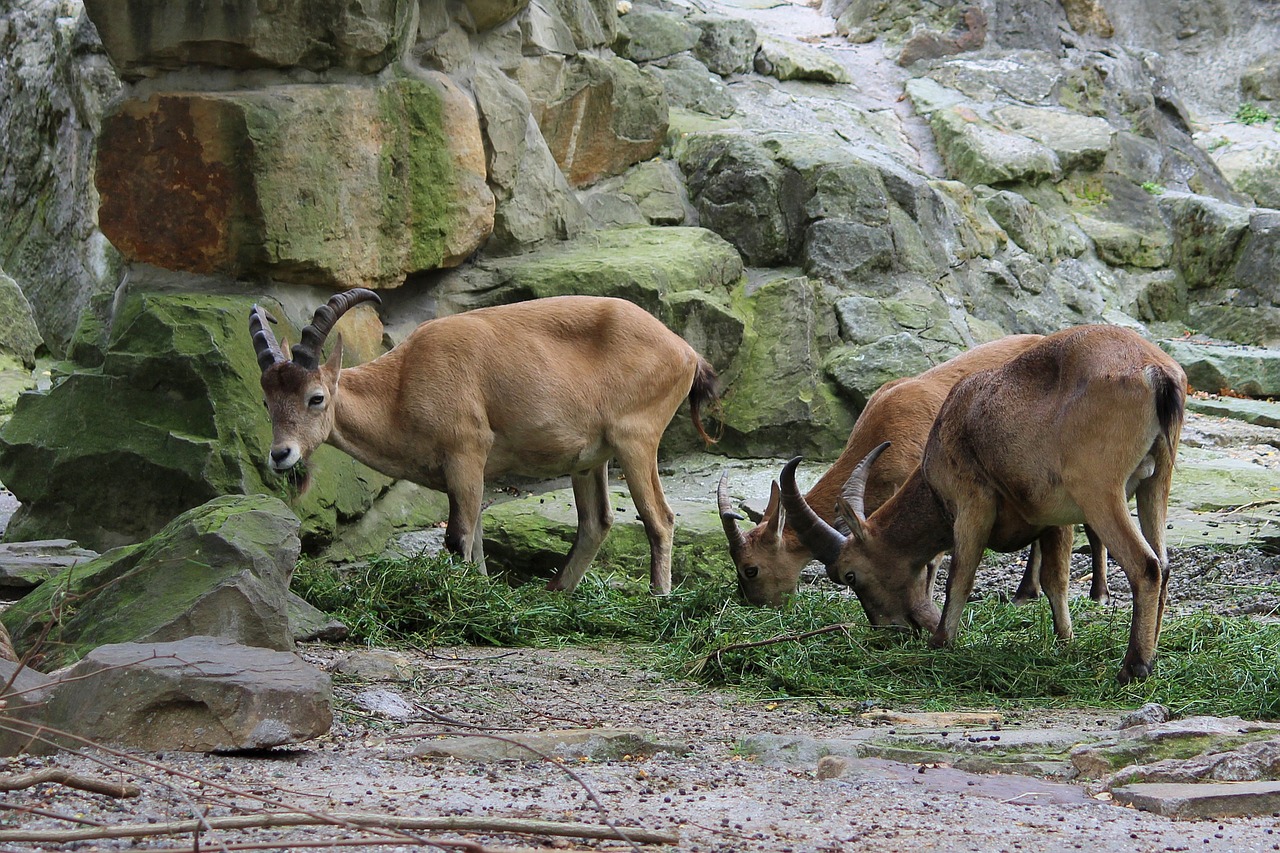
pixel 972 531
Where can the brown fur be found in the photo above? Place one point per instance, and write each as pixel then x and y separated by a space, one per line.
pixel 541 388
pixel 1059 435
pixel 900 412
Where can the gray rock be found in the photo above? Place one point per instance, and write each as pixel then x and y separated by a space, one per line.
pixel 373 665
pixel 596 744
pixel 1148 714
pixel 691 86
pixel 57 83
pixel 25 565
pixel 977 152
pixel 741 193
pixel 1080 142
pixel 385 703
pixel 221 569
pixel 726 45
pixel 1250 762
pixel 646 34
pixel 143 38
pixel 1200 801
pixel 200 694
pixel 534 201
pixel 19 337
pixel 308 625
pixel 1260 412
pixel 1216 367
pixel 788 60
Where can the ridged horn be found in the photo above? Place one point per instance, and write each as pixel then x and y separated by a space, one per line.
pixel 855 488
pixel 264 340
pixel 307 353
pixel 815 534
pixel 729 518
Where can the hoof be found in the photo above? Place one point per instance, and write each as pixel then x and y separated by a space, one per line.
pixel 1134 671
pixel 1101 600
pixel 1021 598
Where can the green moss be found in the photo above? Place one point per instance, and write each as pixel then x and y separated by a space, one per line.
pixel 417 174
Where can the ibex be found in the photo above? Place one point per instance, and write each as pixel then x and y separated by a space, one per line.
pixel 1059 435
pixel 546 387
pixel 770 556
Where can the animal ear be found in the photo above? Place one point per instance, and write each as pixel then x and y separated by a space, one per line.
pixel 773 515
pixel 334 364
pixel 851 518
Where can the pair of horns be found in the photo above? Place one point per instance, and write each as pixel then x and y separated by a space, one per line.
pixel 821 538
pixel 307 353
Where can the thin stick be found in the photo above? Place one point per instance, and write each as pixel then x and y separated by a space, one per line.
pixel 781 638
pixel 370 821
pixel 65 777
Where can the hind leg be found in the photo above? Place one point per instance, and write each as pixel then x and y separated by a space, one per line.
pixel 640 465
pixel 595 517
pixel 1153 509
pixel 1109 517
pixel 1055 572
pixel 1029 587
pixel 1098 589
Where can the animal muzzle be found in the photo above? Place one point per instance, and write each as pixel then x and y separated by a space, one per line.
pixel 284 458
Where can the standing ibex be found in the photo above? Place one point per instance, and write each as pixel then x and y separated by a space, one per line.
pixel 544 388
pixel 770 556
pixel 1058 436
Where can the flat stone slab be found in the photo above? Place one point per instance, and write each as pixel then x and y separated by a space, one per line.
pixel 603 744
pixel 1202 800
pixel 25 565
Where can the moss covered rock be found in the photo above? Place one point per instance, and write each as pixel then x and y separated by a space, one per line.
pixel 173 418
pixel 338 185
pixel 221 569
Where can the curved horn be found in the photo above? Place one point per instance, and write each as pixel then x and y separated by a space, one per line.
pixel 855 488
pixel 264 340
pixel 729 518
pixel 307 352
pixel 815 534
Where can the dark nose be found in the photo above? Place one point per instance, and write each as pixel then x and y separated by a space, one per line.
pixel 280 455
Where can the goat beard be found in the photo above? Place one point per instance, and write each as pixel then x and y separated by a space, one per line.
pixel 297 480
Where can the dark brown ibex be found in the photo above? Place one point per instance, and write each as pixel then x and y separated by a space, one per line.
pixel 770 556
pixel 544 388
pixel 1060 435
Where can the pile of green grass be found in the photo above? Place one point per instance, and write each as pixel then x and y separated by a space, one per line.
pixel 1005 656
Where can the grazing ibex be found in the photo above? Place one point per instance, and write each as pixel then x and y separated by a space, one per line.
pixel 1058 436
pixel 770 556
pixel 544 388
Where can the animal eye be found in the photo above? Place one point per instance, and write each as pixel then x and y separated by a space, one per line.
pixel 750 571
pixel 316 400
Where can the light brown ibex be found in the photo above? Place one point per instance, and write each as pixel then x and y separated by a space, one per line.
pixel 1057 436
pixel 770 556
pixel 544 388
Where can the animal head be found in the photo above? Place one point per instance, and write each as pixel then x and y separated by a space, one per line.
pixel 892 587
pixel 767 559
pixel 298 390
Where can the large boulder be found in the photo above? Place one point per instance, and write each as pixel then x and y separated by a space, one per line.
pixel 171 419
pixel 339 185
pixel 198 694
pixel 152 36
pixel 534 202
pixel 598 115
pixel 221 569
pixel 19 340
pixel 1218 368
pixel 57 83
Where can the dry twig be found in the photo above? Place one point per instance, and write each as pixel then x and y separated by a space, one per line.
pixel 65 777
pixel 494 825
pixel 781 638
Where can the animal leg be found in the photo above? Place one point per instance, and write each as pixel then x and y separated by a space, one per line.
pixel 1098 589
pixel 972 531
pixel 465 485
pixel 1110 520
pixel 1153 508
pixel 1055 573
pixel 1029 586
pixel 641 470
pixel 595 517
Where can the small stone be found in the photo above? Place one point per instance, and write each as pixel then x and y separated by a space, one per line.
pixel 1149 714
pixel 831 767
